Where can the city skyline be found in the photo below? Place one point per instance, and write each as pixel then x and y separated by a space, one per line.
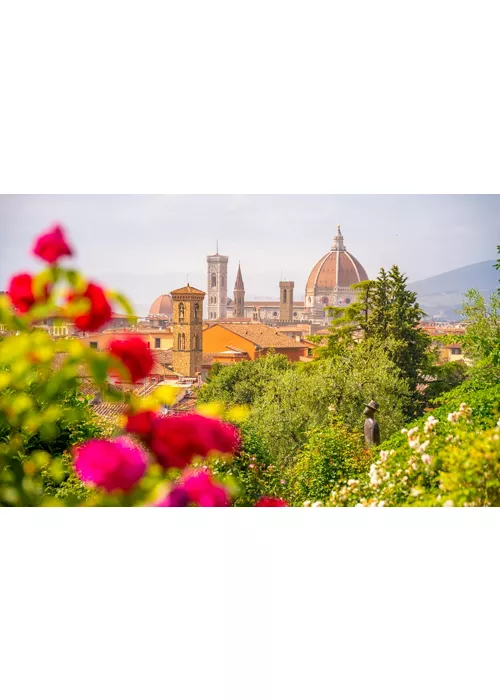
pixel 149 244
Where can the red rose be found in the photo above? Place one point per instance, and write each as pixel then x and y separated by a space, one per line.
pixel 99 312
pixel 52 245
pixel 141 424
pixel 269 502
pixel 135 355
pixel 21 292
pixel 176 440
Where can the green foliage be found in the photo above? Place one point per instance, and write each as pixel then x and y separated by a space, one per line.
pixel 241 383
pixel 388 315
pixel 297 400
pixel 251 469
pixel 446 377
pixel 332 453
pixel 482 338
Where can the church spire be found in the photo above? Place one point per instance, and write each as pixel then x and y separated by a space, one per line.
pixel 338 241
pixel 238 285
pixel 239 295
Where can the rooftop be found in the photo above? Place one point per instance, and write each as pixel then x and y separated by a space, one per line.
pixel 261 335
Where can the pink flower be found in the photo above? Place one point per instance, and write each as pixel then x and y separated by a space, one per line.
pixel 196 488
pixel 52 245
pixel 110 464
pixel 177 439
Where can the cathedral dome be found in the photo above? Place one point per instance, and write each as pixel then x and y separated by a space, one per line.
pixel 337 268
pixel 162 306
pixel 333 275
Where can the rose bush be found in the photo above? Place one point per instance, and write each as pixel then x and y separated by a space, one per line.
pixel 52 450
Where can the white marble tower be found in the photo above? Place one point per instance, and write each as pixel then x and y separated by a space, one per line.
pixel 217 286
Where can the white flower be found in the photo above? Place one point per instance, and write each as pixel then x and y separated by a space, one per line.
pixel 426 459
pixel 453 417
pixel 308 503
pixel 414 443
pixel 415 492
pixel 374 478
pixel 422 448
pixel 351 482
pixel 383 455
pixel 381 504
pixel 430 423
pixel 498 424
pixel 413 431
pixel 448 504
pixel 405 430
pixel 318 504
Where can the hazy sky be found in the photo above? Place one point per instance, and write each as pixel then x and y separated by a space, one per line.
pixel 148 244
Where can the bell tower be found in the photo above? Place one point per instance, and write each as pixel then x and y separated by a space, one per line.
pixel 187 320
pixel 239 295
pixel 286 301
pixel 217 285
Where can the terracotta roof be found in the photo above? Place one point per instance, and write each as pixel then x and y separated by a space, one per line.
pixel 188 290
pixel 162 306
pixel 261 335
pixel 163 357
pixel 109 410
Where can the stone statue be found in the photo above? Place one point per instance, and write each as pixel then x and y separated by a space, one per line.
pixel 372 431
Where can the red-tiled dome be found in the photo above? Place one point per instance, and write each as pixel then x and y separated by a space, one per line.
pixel 162 306
pixel 337 268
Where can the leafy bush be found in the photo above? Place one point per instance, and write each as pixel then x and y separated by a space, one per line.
pixel 332 453
pixel 447 458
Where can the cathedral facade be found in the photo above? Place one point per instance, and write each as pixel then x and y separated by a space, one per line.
pixel 328 284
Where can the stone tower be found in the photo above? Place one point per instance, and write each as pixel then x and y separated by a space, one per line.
pixel 217 285
pixel 187 320
pixel 239 295
pixel 286 301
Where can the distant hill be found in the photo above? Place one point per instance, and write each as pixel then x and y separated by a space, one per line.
pixel 441 296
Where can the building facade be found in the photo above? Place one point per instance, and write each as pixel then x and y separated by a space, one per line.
pixel 217 286
pixel 187 329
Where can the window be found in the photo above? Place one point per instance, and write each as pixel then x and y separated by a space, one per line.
pixel 181 312
pixel 214 279
pixel 157 343
pixel 93 345
pixel 197 343
pixel 275 313
pixel 196 310
pixel 294 313
pixel 284 296
pixel 181 341
pixel 456 351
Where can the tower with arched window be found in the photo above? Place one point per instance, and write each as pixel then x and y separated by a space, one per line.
pixel 217 286
pixel 187 320
pixel 286 301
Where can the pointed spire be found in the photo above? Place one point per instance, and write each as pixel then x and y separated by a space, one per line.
pixel 238 285
pixel 338 241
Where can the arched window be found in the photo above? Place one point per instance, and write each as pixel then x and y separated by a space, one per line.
pixel 196 310
pixel 284 296
pixel 214 279
pixel 181 312
pixel 223 280
pixel 179 341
